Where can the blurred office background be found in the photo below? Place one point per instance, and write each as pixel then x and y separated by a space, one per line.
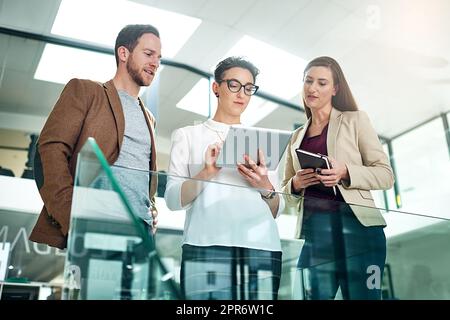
pixel 395 55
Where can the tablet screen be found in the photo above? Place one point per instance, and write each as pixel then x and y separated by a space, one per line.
pixel 247 140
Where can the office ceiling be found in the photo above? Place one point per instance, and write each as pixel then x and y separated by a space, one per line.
pixel 395 54
pixel 398 66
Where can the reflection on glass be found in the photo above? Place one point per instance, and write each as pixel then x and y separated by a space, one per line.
pixel 111 257
pixel 111 253
pixel 422 161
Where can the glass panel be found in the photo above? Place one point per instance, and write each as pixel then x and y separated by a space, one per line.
pixel 417 263
pixel 111 253
pixel 28 270
pixel 422 161
pixel 224 244
pixel 225 221
pixel 342 259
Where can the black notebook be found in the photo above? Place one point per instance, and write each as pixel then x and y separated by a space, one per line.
pixel 315 160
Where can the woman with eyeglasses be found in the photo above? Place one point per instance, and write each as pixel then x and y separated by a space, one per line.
pixel 231 247
pixel 345 245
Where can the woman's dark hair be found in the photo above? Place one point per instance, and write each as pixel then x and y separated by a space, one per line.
pixel 234 62
pixel 129 36
pixel 343 100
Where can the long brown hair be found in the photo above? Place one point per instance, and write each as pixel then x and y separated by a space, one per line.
pixel 343 100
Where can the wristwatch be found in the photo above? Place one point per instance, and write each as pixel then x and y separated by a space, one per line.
pixel 269 195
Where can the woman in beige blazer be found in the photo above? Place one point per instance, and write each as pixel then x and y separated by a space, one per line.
pixel 343 232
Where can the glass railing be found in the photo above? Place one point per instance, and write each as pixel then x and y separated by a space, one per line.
pixel 323 242
pixel 28 270
pixel 223 244
pixel 226 244
pixel 111 253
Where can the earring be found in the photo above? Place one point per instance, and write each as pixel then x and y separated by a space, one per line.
pixel 216 94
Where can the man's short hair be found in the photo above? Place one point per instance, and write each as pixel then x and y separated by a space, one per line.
pixel 234 62
pixel 129 36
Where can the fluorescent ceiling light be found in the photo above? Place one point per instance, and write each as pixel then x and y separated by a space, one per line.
pixel 197 99
pixel 60 64
pixel 280 71
pixel 280 75
pixel 100 21
pixel 81 20
pixel 257 110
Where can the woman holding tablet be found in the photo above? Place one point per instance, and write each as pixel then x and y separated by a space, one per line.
pixel 231 247
pixel 343 243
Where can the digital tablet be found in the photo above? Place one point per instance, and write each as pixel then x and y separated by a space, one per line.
pixel 309 160
pixel 247 140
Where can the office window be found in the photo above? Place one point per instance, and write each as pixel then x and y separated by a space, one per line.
pixel 423 169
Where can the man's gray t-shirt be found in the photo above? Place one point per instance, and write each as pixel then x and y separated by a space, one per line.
pixel 131 168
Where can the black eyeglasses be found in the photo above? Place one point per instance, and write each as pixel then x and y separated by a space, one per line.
pixel 235 86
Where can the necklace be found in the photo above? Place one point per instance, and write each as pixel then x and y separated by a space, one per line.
pixel 220 137
pixel 222 140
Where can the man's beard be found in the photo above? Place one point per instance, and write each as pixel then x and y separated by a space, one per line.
pixel 135 75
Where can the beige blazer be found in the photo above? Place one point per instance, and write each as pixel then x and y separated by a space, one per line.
pixel 351 140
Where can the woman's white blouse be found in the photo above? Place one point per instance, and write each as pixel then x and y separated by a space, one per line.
pixel 222 214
